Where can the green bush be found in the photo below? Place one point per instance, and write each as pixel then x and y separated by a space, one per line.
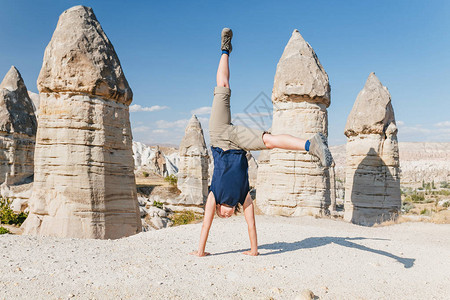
pixel 407 206
pixel 415 197
pixel 8 216
pixel 444 185
pixel 158 204
pixel 171 179
pixel 184 218
pixel 444 192
pixel 446 204
pixel 145 174
pixel 3 230
pixel 425 212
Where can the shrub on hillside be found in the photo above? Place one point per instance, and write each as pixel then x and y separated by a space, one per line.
pixel 171 179
pixel 3 230
pixel 184 218
pixel 8 216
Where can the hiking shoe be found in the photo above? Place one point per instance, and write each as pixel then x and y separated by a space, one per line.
pixel 227 35
pixel 319 148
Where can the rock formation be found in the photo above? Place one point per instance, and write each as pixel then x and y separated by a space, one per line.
pixel 291 183
pixel 424 163
pixel 252 169
pixel 193 166
pixel 84 184
pixel 17 130
pixel 17 138
pixel 162 162
pixel 35 100
pixel 372 186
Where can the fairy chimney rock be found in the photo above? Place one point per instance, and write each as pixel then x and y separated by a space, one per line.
pixel 193 166
pixel 292 183
pixel 84 185
pixel 17 129
pixel 372 185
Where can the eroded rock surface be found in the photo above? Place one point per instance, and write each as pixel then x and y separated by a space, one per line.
pixel 18 127
pixel 193 166
pixel 80 59
pixel 17 139
pixel 162 162
pixel 35 100
pixel 372 186
pixel 291 183
pixel 84 184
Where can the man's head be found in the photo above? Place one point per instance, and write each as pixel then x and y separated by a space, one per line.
pixel 224 211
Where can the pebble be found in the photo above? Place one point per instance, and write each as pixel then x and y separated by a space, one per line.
pixel 305 295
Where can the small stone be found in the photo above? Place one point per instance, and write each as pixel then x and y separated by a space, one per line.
pixel 142 201
pixel 276 290
pixel 157 222
pixel 305 295
pixel 155 211
pixel 142 211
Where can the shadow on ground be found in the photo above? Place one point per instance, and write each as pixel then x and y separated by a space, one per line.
pixel 314 242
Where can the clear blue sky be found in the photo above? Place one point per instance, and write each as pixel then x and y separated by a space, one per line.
pixel 169 51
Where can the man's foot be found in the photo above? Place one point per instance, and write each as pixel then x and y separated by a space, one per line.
pixel 227 35
pixel 196 253
pixel 319 148
pixel 250 253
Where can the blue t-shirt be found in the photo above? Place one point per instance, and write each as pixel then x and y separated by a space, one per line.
pixel 229 183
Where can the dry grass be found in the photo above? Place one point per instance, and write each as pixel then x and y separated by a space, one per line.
pixel 398 220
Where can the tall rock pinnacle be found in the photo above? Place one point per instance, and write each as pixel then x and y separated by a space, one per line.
pixel 16 113
pixel 372 184
pixel 18 127
pixel 84 185
pixel 193 167
pixel 291 183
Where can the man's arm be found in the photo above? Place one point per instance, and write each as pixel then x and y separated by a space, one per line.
pixel 210 209
pixel 249 213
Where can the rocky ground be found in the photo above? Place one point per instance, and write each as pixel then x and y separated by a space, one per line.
pixel 333 259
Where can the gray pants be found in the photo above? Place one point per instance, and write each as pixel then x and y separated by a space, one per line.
pixel 225 135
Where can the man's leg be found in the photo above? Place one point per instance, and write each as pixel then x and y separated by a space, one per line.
pixel 223 72
pixel 317 145
pixel 220 118
pixel 283 141
pixel 249 214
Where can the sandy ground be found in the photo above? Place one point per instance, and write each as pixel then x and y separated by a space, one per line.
pixel 333 259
